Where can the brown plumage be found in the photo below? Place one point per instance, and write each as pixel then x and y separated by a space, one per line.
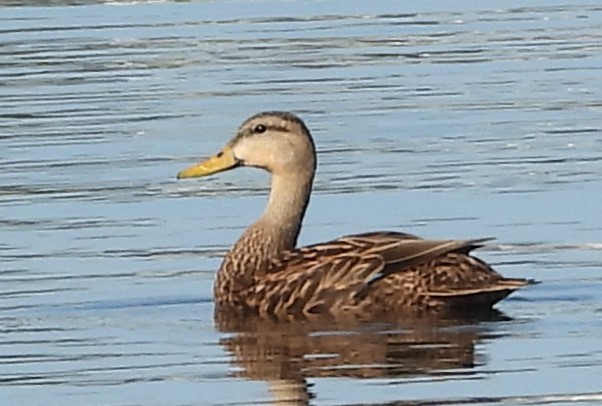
pixel 371 275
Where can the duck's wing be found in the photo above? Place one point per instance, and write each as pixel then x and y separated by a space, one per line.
pixel 442 273
pixel 319 285
pixel 402 252
pixel 400 249
pixel 323 277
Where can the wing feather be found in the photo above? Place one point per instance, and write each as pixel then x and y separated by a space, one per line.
pixel 332 276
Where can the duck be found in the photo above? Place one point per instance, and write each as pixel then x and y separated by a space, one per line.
pixel 370 275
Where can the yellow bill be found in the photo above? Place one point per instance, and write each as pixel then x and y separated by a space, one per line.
pixel 220 162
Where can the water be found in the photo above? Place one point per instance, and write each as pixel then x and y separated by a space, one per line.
pixel 450 121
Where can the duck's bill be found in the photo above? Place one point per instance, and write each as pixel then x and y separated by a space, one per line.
pixel 220 162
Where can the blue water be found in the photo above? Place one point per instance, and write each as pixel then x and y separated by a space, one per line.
pixel 444 120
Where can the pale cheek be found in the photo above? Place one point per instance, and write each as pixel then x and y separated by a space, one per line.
pixel 275 159
pixel 289 159
pixel 241 151
pixel 250 153
pixel 274 156
pixel 288 152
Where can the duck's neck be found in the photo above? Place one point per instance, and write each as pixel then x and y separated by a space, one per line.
pixel 285 210
pixel 278 228
pixel 275 231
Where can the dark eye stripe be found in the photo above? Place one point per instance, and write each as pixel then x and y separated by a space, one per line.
pixel 259 129
pixel 280 129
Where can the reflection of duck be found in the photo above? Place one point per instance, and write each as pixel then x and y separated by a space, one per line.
pixel 365 275
pixel 286 355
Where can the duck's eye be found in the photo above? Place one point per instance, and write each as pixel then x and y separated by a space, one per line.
pixel 259 128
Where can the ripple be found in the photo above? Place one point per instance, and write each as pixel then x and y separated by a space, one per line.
pixel 447 122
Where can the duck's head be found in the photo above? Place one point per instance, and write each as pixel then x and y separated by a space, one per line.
pixel 278 142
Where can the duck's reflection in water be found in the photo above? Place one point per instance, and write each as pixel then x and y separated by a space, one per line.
pixel 285 355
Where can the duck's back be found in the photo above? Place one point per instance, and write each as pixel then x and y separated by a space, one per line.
pixel 379 273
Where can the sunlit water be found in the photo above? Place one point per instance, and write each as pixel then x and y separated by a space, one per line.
pixel 443 120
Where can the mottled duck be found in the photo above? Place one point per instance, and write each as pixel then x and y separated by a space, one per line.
pixel 369 275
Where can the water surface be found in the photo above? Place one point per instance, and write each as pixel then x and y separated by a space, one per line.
pixel 447 121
